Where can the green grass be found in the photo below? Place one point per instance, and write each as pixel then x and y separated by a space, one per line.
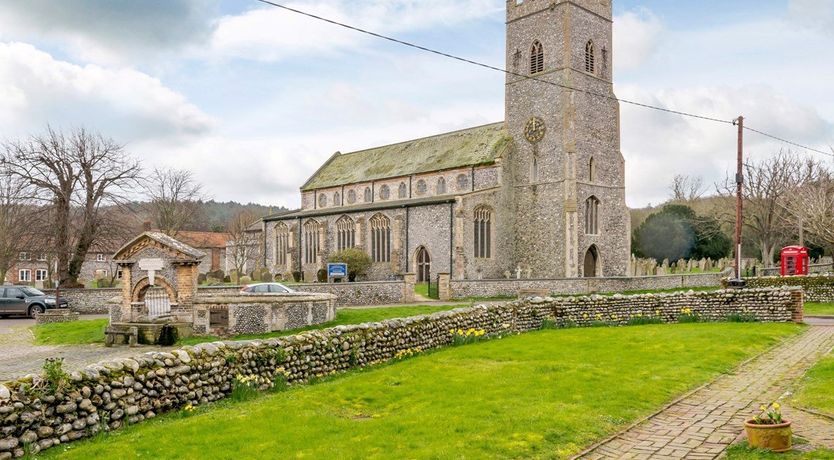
pixel 74 333
pixel 816 390
pixel 742 451
pixel 544 394
pixel 823 309
pixel 343 316
pixel 423 290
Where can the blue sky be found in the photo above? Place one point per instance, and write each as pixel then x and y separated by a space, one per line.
pixel 253 99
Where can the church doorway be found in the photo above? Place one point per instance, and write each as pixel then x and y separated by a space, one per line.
pixel 423 265
pixel 592 263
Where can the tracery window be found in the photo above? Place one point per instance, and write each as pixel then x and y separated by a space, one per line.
pixel 282 244
pixel 380 238
pixel 345 233
pixel 536 58
pixel 311 241
pixel 592 216
pixel 590 65
pixel 483 232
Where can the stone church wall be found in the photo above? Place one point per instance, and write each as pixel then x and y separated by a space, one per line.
pixel 431 227
pixel 126 391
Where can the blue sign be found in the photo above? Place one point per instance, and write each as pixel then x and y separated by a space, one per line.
pixel 337 270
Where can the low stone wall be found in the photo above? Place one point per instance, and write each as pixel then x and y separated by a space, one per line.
pixel 57 316
pixel 88 301
pixel 460 289
pixel 112 393
pixel 365 293
pixel 812 268
pixel 818 288
pixel 258 314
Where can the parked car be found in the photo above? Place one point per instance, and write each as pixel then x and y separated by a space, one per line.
pixel 26 301
pixel 267 288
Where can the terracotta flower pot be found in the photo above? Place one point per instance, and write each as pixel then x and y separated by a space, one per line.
pixel 774 437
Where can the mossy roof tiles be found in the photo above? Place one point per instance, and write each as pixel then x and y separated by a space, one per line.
pixel 481 145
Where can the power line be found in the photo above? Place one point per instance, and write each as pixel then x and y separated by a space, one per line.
pixel 491 67
pixel 831 154
pixel 529 77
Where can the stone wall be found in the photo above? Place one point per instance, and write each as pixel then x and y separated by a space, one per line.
pixel 369 293
pixel 573 286
pixel 258 314
pixel 89 301
pixel 57 316
pixel 130 390
pixel 812 268
pixel 818 288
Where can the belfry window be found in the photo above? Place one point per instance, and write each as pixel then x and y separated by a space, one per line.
pixel 590 65
pixel 592 216
pixel 345 233
pixel 483 232
pixel 380 238
pixel 536 58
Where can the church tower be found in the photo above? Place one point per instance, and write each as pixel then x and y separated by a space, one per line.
pixel 569 200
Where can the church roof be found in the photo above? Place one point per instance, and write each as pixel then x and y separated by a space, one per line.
pixel 477 146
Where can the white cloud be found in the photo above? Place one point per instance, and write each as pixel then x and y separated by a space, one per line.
pixel 271 33
pixel 636 38
pixel 126 104
pixel 658 146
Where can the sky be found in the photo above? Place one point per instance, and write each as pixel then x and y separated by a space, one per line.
pixel 253 99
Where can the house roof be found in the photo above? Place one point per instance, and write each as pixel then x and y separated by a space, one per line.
pixel 477 146
pixel 163 239
pixel 204 239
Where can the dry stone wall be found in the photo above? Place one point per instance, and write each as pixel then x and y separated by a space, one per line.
pixel 36 414
pixel 818 288
pixel 88 301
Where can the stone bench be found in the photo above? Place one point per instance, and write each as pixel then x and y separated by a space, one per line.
pixel 129 335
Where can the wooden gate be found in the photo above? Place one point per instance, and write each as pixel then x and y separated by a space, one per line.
pixel 157 302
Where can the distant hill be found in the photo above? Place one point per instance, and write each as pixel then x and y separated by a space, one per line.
pixel 212 216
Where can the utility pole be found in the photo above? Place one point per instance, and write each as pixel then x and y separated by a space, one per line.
pixel 738 281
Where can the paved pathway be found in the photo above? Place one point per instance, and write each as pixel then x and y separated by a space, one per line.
pixel 705 423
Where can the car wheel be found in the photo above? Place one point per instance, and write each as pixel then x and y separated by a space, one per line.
pixel 35 310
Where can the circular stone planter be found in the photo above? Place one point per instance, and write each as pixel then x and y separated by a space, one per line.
pixel 774 437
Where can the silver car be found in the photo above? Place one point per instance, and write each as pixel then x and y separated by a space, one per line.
pixel 26 301
pixel 266 288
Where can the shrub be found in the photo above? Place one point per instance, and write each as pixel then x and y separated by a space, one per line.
pixel 357 260
pixel 296 276
pixel 245 280
pixel 202 278
pixel 245 387
pixel 321 276
pixel 54 375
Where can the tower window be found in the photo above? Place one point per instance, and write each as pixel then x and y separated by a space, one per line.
pixel 380 238
pixel 592 216
pixel 592 170
pixel 536 58
pixel 483 232
pixel 590 66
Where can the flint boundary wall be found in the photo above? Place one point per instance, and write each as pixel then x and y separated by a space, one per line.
pixel 111 393
pixel 461 289
pixel 88 301
pixel 818 288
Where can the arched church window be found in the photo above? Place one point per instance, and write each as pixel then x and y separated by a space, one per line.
pixel 483 232
pixel 351 196
pixel 385 192
pixel 368 195
pixel 322 200
pixel 590 65
pixel 592 216
pixel 337 199
pixel 421 187
pixel 282 244
pixel 536 58
pixel 463 182
pixel 311 241
pixel 403 191
pixel 345 233
pixel 380 238
pixel 592 170
pixel 441 186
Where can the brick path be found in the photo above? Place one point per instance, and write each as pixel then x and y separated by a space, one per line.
pixel 705 423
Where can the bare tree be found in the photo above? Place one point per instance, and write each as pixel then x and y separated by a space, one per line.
pixel 15 211
pixel 174 199
pixel 812 205
pixel 77 176
pixel 768 185
pixel 687 188
pixel 244 244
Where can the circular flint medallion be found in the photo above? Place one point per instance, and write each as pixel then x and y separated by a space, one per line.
pixel 534 130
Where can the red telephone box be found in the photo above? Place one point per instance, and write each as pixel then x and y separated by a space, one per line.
pixel 795 261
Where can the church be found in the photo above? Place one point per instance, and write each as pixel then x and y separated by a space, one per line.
pixel 540 195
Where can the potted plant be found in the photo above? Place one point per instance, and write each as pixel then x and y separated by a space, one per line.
pixel 768 430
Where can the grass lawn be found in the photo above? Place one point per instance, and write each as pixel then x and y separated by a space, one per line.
pixel 743 452
pixel 812 308
pixel 544 394
pixel 74 333
pixel 816 390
